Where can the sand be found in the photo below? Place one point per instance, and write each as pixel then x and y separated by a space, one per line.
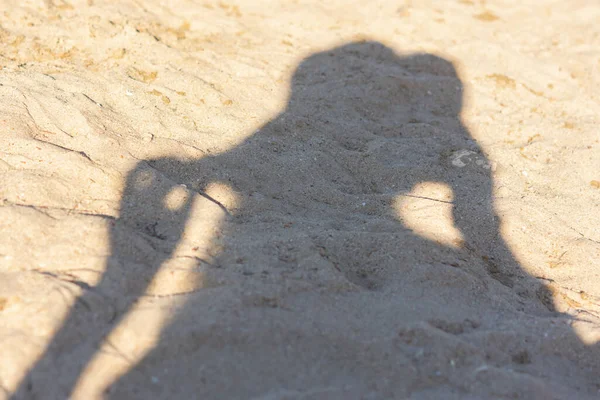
pixel 299 200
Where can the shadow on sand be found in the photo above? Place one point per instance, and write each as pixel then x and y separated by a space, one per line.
pixel 316 188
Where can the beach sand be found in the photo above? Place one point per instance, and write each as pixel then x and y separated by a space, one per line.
pixel 299 200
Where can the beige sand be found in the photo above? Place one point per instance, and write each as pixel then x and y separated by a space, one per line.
pixel 299 200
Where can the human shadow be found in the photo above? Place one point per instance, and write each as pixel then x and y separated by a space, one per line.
pixel 363 126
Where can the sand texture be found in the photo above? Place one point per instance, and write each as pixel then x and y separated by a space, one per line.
pixel 299 200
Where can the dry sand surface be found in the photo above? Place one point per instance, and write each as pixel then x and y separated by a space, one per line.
pixel 299 200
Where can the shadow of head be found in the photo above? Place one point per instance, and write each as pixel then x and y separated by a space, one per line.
pixel 369 82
